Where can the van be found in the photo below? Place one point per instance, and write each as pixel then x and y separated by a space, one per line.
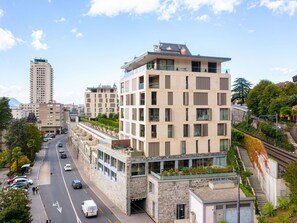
pixel 89 208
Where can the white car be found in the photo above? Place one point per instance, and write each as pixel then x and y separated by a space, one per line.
pixel 67 167
pixel 23 179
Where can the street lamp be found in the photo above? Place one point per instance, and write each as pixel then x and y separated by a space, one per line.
pixel 238 198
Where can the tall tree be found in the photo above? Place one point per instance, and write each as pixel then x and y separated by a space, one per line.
pixel 5 116
pixel 255 95
pixel 16 155
pixel 240 90
pixel 14 206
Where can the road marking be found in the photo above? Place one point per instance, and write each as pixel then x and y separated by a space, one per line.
pixel 110 221
pixel 100 210
pixel 58 208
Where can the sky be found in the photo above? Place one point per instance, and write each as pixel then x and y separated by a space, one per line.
pixel 87 41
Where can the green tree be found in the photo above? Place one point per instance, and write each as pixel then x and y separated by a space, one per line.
pixel 270 92
pixel 283 203
pixel 16 155
pixel 240 90
pixel 5 117
pixel 286 112
pixel 33 140
pixel 290 176
pixel 289 89
pixel 14 206
pixel 255 95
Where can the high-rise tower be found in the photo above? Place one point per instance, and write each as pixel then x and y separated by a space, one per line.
pixel 41 81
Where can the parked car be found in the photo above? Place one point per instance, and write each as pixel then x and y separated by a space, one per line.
pixel 23 180
pixel 10 180
pixel 89 208
pixel 63 156
pixel 67 167
pixel 61 150
pixel 60 145
pixel 45 139
pixel 76 184
pixel 20 185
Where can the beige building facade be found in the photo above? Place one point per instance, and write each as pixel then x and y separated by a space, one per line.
pixel 51 117
pixel 41 81
pixel 101 100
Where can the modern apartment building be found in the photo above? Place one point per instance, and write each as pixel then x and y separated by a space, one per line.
pixel 51 117
pixel 41 81
pixel 174 116
pixel 101 100
pixel 176 103
pixel 28 108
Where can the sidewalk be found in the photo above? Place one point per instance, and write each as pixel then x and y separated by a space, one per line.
pixel 123 218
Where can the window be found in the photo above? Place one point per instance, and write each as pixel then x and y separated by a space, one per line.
pixel 200 98
pixel 183 163
pixel 151 187
pixel 163 64
pixel 187 82
pixel 141 114
pixel 212 67
pixel 196 66
pixel 167 148
pixel 224 83
pixel 106 171
pixel 185 98
pixel 168 115
pixel 101 154
pixel 154 114
pixel 200 130
pixel 113 162
pixel 141 83
pixel 121 167
pixel 224 114
pixel 142 99
pixel 138 169
pixel 133 129
pixel 107 158
pixel 154 131
pixel 154 149
pixel 155 167
pixel 113 176
pixel 203 83
pixel 134 114
pixel 222 129
pixel 167 82
pixel 203 114
pixel 197 146
pixel 222 99
pixel 169 165
pixel 154 81
pixel 170 98
pixel 183 146
pixel 142 131
pixel 224 144
pixel 154 98
pixel 186 130
pixel 180 211
pixel 208 146
pixel 170 131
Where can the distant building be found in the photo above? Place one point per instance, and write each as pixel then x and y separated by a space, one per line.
pixel 51 117
pixel 30 108
pixel 101 100
pixel 41 81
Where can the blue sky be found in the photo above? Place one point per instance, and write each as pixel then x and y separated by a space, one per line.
pixel 88 41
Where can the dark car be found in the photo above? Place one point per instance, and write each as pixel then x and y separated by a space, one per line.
pixel 76 184
pixel 20 185
pixel 63 156
pixel 60 145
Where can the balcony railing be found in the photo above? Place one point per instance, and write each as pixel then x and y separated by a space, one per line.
pixel 176 68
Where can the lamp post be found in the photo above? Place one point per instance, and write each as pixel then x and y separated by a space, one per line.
pixel 238 198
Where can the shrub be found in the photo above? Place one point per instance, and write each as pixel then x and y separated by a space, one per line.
pixel 283 203
pixel 263 219
pixel 268 209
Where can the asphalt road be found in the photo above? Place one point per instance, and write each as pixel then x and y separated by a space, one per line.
pixel 63 203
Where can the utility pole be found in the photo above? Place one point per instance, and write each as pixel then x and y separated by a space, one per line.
pixel 238 198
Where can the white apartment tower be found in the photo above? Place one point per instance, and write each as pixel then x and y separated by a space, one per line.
pixel 101 100
pixel 41 81
pixel 173 103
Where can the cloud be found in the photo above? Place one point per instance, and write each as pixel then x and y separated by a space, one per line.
pixel 1 13
pixel 77 33
pixel 280 6
pixel 251 30
pixel 284 70
pixel 37 37
pixel 7 40
pixel 114 7
pixel 203 18
pixel 13 91
pixel 62 19
pixel 165 9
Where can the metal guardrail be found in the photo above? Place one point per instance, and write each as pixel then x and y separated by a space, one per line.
pixel 206 175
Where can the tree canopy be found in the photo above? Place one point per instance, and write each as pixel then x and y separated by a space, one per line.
pixel 240 90
pixel 5 116
pixel 14 206
pixel 290 176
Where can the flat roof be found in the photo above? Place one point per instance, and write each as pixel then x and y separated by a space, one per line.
pixel 149 56
pixel 208 195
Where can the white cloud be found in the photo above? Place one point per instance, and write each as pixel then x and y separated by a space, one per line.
pixel 115 7
pixel 284 70
pixel 280 6
pixel 37 37
pixel 7 40
pixel 62 19
pixel 251 31
pixel 1 12
pixel 77 33
pixel 13 91
pixel 203 18
pixel 49 1
pixel 165 9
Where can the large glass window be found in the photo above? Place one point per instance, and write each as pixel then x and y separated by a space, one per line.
pixel 168 115
pixel 154 98
pixel 183 163
pixel 142 131
pixel 222 129
pixel 224 114
pixel 224 145
pixel 196 66
pixel 121 166
pixel 154 114
pixel 155 167
pixel 203 114
pixel 154 131
pixel 107 158
pixel 163 64
pixel 138 169
pixel 141 114
pixel 169 165
pixel 170 131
